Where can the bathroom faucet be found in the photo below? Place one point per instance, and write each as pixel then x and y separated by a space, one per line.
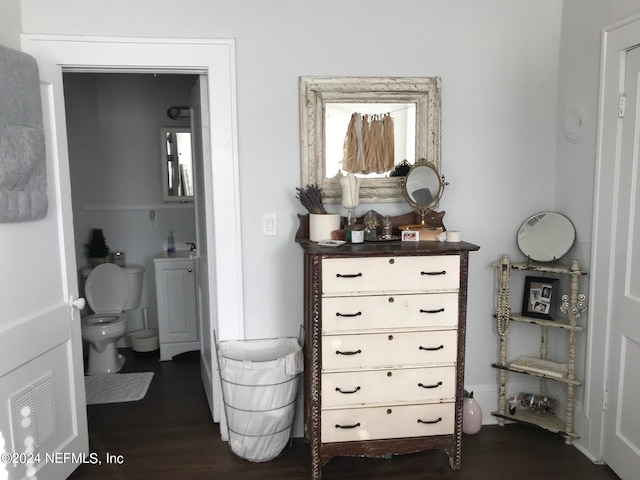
pixel 193 246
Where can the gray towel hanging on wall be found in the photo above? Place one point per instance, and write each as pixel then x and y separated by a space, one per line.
pixel 23 168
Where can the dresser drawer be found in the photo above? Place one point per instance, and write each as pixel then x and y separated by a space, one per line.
pixel 346 352
pixel 370 423
pixel 340 314
pixel 405 385
pixel 390 274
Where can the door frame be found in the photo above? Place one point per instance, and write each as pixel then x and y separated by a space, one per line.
pixel 215 60
pixel 617 39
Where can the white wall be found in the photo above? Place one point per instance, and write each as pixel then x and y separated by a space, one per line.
pixel 578 89
pixel 499 63
pixel 113 126
pixel 10 23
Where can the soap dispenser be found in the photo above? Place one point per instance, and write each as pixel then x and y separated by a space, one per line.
pixel 171 244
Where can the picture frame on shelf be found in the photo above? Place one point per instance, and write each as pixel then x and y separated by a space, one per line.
pixel 410 236
pixel 540 297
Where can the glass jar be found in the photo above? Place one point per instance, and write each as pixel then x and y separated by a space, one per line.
pixel 354 233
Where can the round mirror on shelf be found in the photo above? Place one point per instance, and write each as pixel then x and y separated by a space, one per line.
pixel 422 187
pixel 546 236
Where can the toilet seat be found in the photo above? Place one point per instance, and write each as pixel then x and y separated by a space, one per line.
pixel 107 289
pixel 100 320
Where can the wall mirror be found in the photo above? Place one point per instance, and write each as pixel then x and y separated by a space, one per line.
pixel 422 187
pixel 329 106
pixel 546 236
pixel 177 164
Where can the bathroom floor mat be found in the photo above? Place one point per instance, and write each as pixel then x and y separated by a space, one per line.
pixel 117 387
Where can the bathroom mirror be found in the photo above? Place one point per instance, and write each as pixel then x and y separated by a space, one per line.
pixel 423 187
pixel 328 103
pixel 177 164
pixel 546 236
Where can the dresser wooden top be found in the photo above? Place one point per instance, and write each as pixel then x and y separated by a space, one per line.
pixel 396 247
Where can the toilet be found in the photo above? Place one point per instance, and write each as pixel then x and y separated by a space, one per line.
pixel 110 290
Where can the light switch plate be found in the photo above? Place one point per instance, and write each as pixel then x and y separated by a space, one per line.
pixel 270 224
pixel 153 224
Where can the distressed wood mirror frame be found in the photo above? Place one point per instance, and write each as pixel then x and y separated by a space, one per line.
pixel 316 92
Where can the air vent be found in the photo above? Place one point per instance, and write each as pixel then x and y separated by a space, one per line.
pixel 33 414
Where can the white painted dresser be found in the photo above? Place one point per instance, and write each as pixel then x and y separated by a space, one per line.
pixel 384 348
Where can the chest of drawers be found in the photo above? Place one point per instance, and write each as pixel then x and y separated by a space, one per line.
pixel 384 348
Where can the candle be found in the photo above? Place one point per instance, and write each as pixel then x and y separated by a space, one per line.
pixel 350 191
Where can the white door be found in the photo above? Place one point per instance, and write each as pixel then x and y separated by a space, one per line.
pixel 205 283
pixel 622 422
pixel 43 414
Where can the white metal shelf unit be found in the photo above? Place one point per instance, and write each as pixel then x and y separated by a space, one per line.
pixel 573 304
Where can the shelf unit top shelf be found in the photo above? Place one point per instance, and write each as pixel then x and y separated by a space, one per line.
pixel 545 267
pixel 548 268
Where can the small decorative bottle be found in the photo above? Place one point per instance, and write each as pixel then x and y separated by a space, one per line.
pixel 386 227
pixel 471 415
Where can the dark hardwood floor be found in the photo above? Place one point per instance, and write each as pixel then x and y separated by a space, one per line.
pixel 169 435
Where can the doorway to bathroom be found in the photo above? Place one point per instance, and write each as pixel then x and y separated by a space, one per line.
pixel 217 214
pixel 114 127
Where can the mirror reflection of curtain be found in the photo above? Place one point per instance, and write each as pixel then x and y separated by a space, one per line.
pixel 179 164
pixel 172 158
pixel 369 144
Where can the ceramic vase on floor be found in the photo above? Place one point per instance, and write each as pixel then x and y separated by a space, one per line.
pixel 471 415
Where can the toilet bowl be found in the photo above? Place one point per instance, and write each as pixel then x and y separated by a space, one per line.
pixel 108 289
pixel 102 332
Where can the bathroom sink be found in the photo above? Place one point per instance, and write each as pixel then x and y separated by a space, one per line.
pixel 179 255
pixel 184 254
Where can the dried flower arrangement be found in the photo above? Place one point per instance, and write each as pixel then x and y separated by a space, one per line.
pixel 310 197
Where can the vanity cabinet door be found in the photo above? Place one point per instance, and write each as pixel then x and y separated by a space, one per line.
pixel 177 316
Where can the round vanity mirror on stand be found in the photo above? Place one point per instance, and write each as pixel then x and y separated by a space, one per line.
pixel 546 236
pixel 422 188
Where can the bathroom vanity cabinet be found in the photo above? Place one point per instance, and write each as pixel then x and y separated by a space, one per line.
pixel 177 311
pixel 385 330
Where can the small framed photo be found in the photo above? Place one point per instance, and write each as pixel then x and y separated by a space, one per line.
pixel 410 236
pixel 540 297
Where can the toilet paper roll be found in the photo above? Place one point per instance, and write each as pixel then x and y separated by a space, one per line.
pixel 453 236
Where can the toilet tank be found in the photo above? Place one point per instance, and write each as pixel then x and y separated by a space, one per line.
pixel 135 274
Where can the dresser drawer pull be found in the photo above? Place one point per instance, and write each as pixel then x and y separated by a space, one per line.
pixel 338 352
pixel 427 422
pixel 443 272
pixel 348 275
pixel 431 349
pixel 338 389
pixel 439 310
pixel 347 426
pixel 357 314
pixel 430 386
